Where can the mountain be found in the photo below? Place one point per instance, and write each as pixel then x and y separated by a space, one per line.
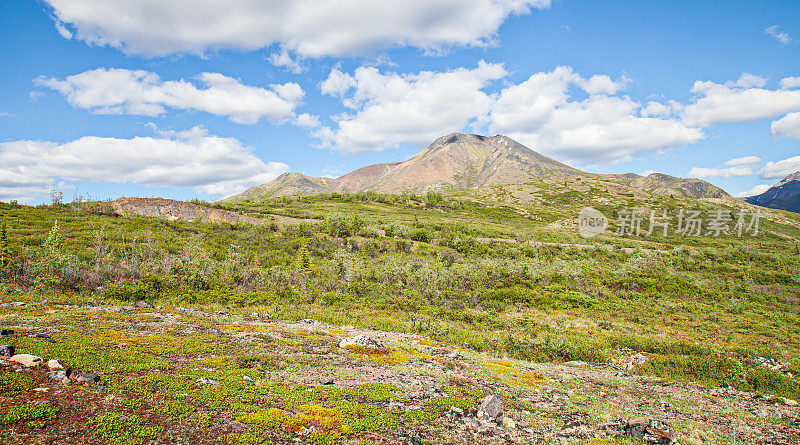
pixel 285 185
pixel 785 195
pixel 670 185
pixel 464 161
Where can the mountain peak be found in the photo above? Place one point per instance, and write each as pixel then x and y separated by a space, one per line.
pixel 793 177
pixel 784 195
pixel 460 161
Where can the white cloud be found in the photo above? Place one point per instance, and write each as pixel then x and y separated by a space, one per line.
pixel 283 59
pixel 756 190
pixel 63 31
pixel 746 160
pixel 790 82
pixel 735 167
pixel 193 158
pixel 781 36
pixel 541 114
pixel 6 114
pixel 743 100
pixel 306 120
pixel 787 126
pixel 747 80
pixel 35 95
pixel 391 108
pixel 780 169
pixel 121 91
pixel 321 28
pixel 729 172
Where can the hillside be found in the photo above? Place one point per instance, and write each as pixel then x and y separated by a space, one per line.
pixel 785 195
pixel 477 293
pixel 464 162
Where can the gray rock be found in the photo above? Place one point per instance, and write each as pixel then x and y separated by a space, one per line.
pixel 207 381
pixel 454 355
pixel 142 304
pixel 650 430
pixel 307 321
pixel 7 350
pixel 362 341
pixel 44 337
pixel 414 439
pixel 53 365
pixel 6 332
pixel 89 377
pixel 59 375
pixel 491 408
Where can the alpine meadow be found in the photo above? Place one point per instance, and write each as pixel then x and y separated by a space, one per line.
pixel 399 223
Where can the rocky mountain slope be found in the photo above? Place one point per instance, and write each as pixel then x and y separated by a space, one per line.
pixel 460 162
pixel 670 185
pixel 785 195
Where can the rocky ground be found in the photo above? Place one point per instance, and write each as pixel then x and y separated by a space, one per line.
pixel 138 374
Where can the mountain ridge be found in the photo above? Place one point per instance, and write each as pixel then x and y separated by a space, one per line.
pixel 784 195
pixel 460 161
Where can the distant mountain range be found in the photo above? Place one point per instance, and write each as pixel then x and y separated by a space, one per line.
pixel 784 195
pixel 464 161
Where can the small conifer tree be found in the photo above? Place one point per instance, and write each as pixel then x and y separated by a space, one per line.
pixel 303 259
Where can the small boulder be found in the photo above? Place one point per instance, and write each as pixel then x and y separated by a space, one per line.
pixel 60 375
pixel 491 408
pixel 89 377
pixel 143 304
pixel 363 342
pixel 650 430
pixel 6 332
pixel 53 364
pixel 27 360
pixel 207 381
pixel 7 350
pixel 307 321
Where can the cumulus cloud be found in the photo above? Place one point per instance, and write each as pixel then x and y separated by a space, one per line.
pixel 729 172
pixel 790 82
pixel 542 114
pixel 780 169
pixel 746 160
pixel 756 190
pixel 121 91
pixel 743 100
pixel 781 36
pixel 787 126
pixel 390 109
pixel 193 158
pixel 283 59
pixel 735 167
pixel 311 29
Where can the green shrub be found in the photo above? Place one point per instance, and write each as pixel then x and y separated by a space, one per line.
pixel 34 415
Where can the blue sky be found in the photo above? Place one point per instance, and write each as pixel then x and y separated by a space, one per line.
pixel 166 99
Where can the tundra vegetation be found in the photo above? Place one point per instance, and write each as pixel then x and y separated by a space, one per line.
pixel 473 293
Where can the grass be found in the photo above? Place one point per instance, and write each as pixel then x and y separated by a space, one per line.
pixel 456 268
